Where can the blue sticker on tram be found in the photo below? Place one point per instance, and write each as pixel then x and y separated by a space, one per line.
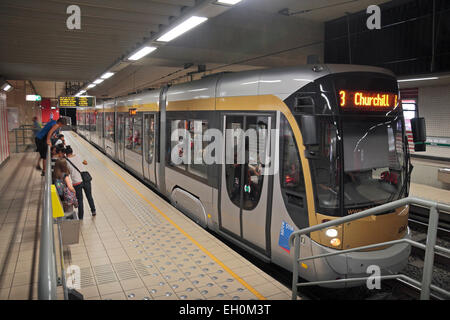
pixel 285 233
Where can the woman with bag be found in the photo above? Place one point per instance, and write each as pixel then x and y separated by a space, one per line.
pixel 81 181
pixel 63 183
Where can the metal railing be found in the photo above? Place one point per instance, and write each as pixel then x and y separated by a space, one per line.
pixel 430 247
pixel 47 280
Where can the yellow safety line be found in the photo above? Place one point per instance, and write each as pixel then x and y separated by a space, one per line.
pixel 220 263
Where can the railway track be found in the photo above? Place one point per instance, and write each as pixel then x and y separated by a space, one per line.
pixel 391 289
pixel 418 217
pixel 418 222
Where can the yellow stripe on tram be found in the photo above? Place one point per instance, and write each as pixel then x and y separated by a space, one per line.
pixel 209 254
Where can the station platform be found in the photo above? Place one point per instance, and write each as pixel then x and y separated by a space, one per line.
pixel 137 246
pixel 430 193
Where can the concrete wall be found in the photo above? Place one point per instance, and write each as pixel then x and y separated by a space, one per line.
pixel 16 104
pixel 17 99
pixel 434 105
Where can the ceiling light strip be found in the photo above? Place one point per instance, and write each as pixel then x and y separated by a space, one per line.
pixel 182 28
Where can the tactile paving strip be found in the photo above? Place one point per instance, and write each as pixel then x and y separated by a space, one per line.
pixel 125 270
pixel 104 274
pixel 87 278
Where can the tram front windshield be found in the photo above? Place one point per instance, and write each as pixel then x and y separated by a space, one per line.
pixel 360 159
pixel 373 161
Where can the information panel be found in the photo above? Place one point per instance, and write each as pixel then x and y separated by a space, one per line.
pixel 74 102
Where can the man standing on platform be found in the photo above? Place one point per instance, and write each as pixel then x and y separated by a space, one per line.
pixel 43 139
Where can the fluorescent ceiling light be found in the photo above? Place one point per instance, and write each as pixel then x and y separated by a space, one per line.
pixel 107 75
pixel 185 26
pixel 7 87
pixel 81 92
pixel 231 2
pixel 418 79
pixel 98 81
pixel 142 53
pixel 91 85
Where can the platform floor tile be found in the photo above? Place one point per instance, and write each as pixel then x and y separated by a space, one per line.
pixel 140 247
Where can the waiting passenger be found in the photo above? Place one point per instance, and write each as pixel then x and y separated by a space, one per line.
pixel 63 183
pixel 43 139
pixel 60 140
pixel 75 164
pixel 36 126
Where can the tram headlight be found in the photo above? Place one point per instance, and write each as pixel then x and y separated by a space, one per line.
pixel 332 233
pixel 335 242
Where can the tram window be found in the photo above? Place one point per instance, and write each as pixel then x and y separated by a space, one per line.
pixel 137 135
pixel 109 126
pixel 254 160
pixel 99 125
pixel 196 130
pixel 93 122
pixel 325 167
pixel 190 146
pixel 177 125
pixel 374 159
pixel 233 171
pixel 128 133
pixel 292 179
pixel 150 133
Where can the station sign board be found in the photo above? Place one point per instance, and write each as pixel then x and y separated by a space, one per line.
pixel 75 102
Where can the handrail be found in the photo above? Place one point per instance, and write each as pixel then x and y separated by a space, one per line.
pixel 294 241
pixel 47 279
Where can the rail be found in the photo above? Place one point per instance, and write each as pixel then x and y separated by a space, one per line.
pixel 430 247
pixel 47 279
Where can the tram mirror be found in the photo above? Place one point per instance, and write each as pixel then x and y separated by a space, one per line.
pixel 419 132
pixel 309 126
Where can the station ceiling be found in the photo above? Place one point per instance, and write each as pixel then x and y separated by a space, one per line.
pixel 36 44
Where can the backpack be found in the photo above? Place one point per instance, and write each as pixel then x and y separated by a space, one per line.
pixel 59 184
pixel 67 196
pixel 70 197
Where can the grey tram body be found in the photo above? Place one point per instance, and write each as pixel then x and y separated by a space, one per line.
pixel 206 201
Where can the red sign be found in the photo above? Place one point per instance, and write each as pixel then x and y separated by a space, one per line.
pixel 365 100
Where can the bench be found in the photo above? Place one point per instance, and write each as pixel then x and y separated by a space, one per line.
pixel 67 219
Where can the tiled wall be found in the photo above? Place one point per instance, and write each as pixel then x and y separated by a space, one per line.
pixel 4 143
pixel 434 105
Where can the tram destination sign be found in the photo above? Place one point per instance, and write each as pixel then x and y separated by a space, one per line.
pixel 368 101
pixel 75 102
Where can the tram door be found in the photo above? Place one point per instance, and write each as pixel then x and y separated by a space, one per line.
pixel 149 147
pixel 121 138
pixel 245 187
